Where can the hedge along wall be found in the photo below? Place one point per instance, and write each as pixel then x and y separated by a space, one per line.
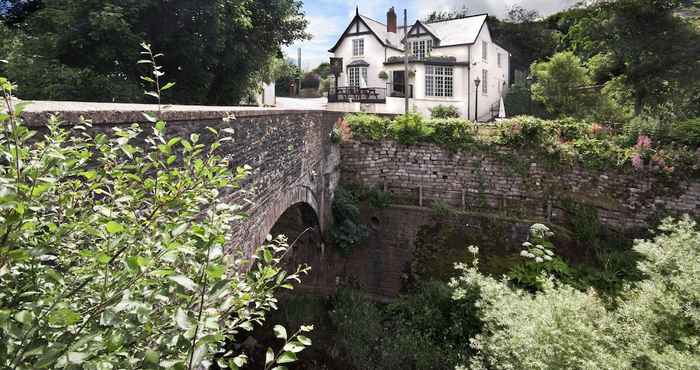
pixel 515 183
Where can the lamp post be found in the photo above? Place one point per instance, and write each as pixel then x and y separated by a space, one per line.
pixel 529 80
pixel 477 82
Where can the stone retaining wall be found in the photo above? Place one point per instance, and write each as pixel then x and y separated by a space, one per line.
pixel 513 183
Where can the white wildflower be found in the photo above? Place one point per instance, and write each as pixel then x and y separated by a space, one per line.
pixel 547 258
pixel 539 260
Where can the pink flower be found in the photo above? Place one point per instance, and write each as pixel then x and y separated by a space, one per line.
pixel 643 142
pixel 637 161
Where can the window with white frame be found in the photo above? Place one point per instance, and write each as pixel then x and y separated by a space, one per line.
pixel 421 49
pixel 358 47
pixel 357 76
pixel 438 81
pixel 484 50
pixel 498 59
pixel 484 81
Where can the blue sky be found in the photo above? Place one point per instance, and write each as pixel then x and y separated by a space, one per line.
pixel 329 18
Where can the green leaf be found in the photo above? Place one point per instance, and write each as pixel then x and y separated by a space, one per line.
pixel 183 322
pixel 184 281
pixel 307 328
pixel 304 340
pixel 240 360
pixel 63 317
pixel 269 356
pixel 149 117
pixel 280 332
pixel 76 358
pixel 25 317
pixel 281 367
pixel 114 227
pixel 267 255
pixel 294 347
pixel 180 229
pixel 167 86
pixel 287 357
pixel 151 357
pixel 160 125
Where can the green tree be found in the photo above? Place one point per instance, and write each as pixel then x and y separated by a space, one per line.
pixel 323 70
pixel 213 48
pixel 644 40
pixel 561 84
pixel 525 36
pixel 656 324
pixel 286 73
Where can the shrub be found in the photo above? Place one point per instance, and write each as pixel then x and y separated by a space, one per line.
pixel 444 111
pixel 598 154
pixel 347 231
pixel 113 248
pixel 453 133
pixel 686 132
pixel 655 324
pixel 422 330
pixel 377 198
pixel 410 129
pixel 367 126
pixel 358 324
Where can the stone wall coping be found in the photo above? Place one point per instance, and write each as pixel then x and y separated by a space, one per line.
pixel 37 112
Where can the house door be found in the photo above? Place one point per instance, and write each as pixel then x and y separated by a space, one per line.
pixel 397 88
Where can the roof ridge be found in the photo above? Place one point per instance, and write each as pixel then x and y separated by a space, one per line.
pixel 372 19
pixel 456 19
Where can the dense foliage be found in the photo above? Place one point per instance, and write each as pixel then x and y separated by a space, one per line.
pixel 656 323
pixel 561 84
pixel 453 133
pixel 216 50
pixel 444 111
pixel 422 330
pixel 348 231
pixel 645 144
pixel 115 248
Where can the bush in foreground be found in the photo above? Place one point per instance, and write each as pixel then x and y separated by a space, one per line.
pixel 656 324
pixel 115 249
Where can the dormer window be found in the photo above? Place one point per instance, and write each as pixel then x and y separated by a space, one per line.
pixel 421 49
pixel 358 47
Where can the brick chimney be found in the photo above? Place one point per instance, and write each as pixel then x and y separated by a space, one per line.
pixel 391 20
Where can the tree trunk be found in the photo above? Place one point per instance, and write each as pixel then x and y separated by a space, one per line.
pixel 638 105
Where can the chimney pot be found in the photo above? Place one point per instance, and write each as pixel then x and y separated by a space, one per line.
pixel 391 20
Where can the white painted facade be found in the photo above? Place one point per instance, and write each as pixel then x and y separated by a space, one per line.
pixel 457 55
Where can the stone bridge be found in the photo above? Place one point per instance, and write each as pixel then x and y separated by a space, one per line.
pixel 295 165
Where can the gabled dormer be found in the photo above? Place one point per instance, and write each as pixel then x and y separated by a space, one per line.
pixel 362 25
pixel 421 40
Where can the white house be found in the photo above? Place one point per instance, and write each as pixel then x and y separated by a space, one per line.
pixel 446 61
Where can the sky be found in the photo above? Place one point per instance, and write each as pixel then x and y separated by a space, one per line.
pixel 329 18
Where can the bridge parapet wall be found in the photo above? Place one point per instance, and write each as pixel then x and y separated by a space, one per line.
pixel 290 151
